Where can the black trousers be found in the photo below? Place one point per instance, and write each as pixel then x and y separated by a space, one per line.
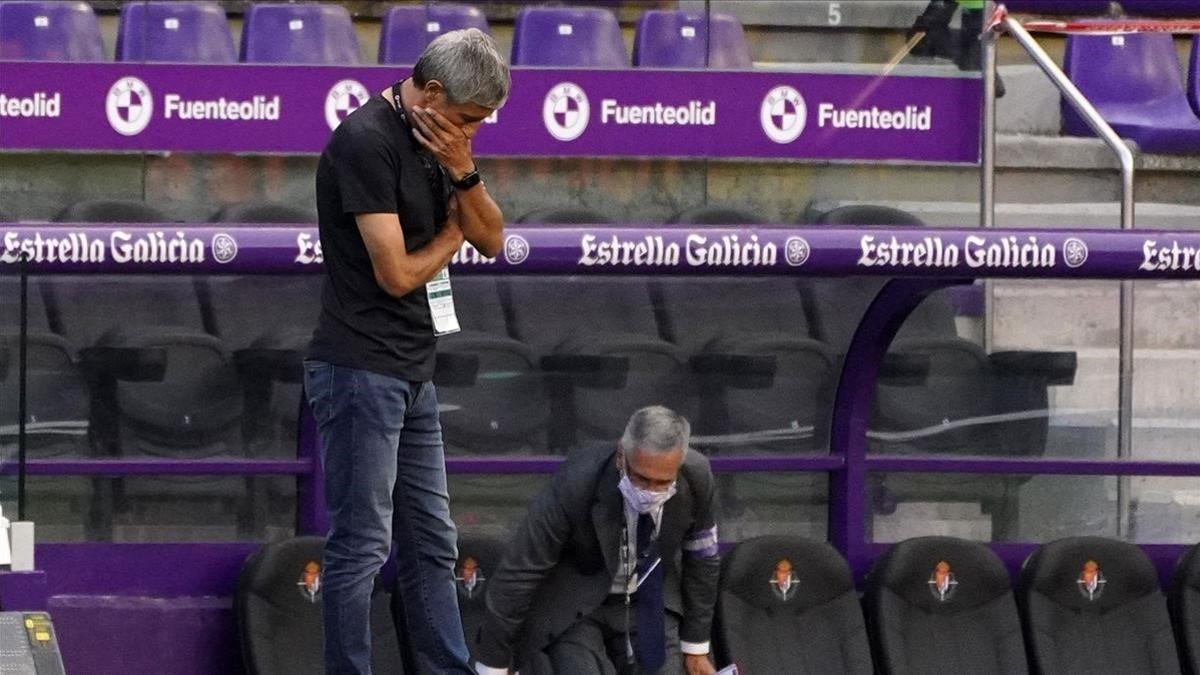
pixel 596 645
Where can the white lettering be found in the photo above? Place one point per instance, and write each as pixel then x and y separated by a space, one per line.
pixel 41 104
pixel 309 250
pixel 695 113
pixel 1173 258
pixel 912 117
pixel 257 108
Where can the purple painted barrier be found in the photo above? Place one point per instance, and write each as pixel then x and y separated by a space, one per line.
pixel 950 253
pixel 127 107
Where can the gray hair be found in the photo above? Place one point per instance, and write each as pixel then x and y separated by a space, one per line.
pixel 657 430
pixel 469 65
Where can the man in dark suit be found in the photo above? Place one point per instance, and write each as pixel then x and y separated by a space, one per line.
pixel 615 568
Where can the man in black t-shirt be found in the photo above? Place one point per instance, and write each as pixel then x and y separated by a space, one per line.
pixel 397 195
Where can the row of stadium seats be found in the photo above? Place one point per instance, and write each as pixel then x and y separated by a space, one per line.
pixel 1166 8
pixel 1136 83
pixel 209 367
pixel 789 605
pixel 197 32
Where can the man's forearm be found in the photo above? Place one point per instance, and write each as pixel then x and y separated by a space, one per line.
pixel 422 264
pixel 481 220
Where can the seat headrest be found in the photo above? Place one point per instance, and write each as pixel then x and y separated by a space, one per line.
pixel 263 212
pixel 777 572
pixel 869 215
pixel 566 215
pixel 477 561
pixel 287 572
pixel 1187 570
pixel 945 575
pixel 110 211
pixel 716 215
pixel 1090 573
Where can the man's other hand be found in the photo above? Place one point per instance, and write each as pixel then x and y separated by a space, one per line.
pixel 698 664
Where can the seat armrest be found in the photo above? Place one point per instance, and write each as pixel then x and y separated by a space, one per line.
pixel 456 369
pixel 737 371
pixel 130 364
pixel 594 371
pixel 904 369
pixel 1056 368
pixel 269 364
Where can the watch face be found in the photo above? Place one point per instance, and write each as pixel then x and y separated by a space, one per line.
pixel 468 181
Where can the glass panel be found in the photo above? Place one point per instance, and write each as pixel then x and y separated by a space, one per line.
pixel 1016 398
pixel 160 509
pixel 758 503
pixel 1166 385
pixel 990 507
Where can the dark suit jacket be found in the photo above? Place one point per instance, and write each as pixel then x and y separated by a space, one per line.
pixel 561 564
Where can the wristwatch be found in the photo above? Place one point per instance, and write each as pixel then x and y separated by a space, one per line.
pixel 468 181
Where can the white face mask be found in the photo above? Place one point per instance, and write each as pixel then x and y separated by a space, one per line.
pixel 642 500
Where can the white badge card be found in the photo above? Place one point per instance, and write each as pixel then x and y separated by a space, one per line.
pixel 441 303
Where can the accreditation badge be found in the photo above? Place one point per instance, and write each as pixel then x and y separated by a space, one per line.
pixel 441 304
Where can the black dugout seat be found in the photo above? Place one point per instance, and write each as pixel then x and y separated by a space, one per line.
pixel 1092 605
pixel 1185 609
pixel 278 610
pixel 489 384
pixel 163 385
pixel 750 349
pixel 478 558
pixel 57 410
pixel 943 605
pixel 266 323
pixel 956 404
pixel 788 605
pixel 599 343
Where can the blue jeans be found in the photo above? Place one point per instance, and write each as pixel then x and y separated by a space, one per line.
pixel 381 444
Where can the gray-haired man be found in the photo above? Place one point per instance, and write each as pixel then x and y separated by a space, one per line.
pixel 397 194
pixel 615 568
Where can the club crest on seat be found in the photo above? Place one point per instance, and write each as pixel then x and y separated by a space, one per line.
pixel 784 582
pixel 470 576
pixel 942 583
pixel 310 581
pixel 1091 581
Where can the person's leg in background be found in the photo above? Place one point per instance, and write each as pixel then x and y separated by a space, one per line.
pixel 426 541
pixel 359 416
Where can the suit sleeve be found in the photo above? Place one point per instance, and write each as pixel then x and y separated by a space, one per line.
pixel 701 563
pixel 531 556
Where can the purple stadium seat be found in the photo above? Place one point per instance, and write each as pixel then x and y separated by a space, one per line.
pixel 1193 82
pixel 1135 81
pixel 49 31
pixel 667 39
pixel 1058 6
pixel 1182 8
pixel 299 33
pixel 561 36
pixel 408 29
pixel 178 32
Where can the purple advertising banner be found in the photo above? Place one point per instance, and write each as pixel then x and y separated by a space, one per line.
pixel 894 252
pixel 135 107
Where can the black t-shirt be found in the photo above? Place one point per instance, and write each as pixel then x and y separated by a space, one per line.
pixel 371 165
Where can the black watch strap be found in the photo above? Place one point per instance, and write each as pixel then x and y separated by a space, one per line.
pixel 468 181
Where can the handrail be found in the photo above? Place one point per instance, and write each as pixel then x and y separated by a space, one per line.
pixel 1001 19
